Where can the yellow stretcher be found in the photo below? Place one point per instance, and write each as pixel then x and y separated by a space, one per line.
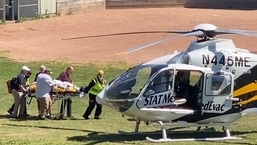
pixel 57 94
pixel 57 89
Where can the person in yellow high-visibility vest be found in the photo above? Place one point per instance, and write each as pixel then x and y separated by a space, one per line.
pixel 95 86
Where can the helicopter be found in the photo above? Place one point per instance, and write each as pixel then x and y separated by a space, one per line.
pixel 211 83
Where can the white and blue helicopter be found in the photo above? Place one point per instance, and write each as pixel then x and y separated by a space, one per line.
pixel 211 83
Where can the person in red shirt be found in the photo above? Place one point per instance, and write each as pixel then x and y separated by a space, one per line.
pixel 65 77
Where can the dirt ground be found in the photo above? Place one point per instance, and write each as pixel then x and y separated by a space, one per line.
pixel 49 39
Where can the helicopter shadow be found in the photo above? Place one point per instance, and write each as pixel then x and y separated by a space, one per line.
pixel 97 137
pixel 48 127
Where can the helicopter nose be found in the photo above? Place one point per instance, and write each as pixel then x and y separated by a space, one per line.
pixel 100 98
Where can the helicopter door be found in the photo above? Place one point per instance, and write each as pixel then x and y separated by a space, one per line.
pixel 159 91
pixel 217 94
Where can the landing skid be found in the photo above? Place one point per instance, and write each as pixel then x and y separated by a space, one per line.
pixel 137 133
pixel 190 139
pixel 164 128
pixel 165 139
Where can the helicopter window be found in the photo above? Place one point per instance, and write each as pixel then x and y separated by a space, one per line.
pixel 142 77
pixel 130 83
pixel 161 83
pixel 215 84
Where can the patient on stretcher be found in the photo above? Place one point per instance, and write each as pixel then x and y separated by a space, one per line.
pixel 61 87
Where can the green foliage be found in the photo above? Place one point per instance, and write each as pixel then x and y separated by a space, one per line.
pixel 79 131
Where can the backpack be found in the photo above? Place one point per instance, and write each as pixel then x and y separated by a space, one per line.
pixel 11 83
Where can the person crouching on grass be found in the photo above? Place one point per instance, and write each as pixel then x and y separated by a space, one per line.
pixel 44 86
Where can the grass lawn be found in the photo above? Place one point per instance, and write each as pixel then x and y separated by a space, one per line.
pixel 91 131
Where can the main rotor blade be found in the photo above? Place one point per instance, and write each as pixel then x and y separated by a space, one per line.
pixel 126 33
pixel 235 31
pixel 195 33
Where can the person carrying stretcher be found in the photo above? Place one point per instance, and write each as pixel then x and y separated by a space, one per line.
pixel 66 77
pixel 95 86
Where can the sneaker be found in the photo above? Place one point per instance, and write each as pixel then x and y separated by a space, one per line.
pixel 42 118
pixel 48 116
pixel 10 112
pixel 97 117
pixel 24 116
pixel 70 117
pixel 61 117
pixel 86 117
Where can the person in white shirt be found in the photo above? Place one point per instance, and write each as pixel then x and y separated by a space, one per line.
pixel 44 86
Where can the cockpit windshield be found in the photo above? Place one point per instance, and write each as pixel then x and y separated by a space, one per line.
pixel 129 84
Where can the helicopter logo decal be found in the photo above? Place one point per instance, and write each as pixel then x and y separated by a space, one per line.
pixel 210 105
pixel 156 99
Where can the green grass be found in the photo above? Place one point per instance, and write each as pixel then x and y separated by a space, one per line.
pixel 91 131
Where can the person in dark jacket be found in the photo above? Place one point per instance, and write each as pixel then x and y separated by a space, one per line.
pixel 65 77
pixel 11 109
pixel 95 86
pixel 19 91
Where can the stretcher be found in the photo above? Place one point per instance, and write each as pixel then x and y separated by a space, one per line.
pixel 60 88
pixel 59 93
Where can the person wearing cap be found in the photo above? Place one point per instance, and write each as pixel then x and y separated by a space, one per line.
pixel 44 86
pixel 19 91
pixel 66 77
pixel 10 110
pixel 95 86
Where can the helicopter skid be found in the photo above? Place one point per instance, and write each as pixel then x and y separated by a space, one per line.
pixel 165 139
pixel 136 133
pixel 184 124
pixel 191 139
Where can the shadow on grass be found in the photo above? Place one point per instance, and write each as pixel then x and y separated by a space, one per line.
pixel 94 137
pixel 29 118
pixel 6 116
pixel 47 127
pixel 97 137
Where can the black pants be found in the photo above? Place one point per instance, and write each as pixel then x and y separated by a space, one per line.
pixel 92 103
pixel 63 106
